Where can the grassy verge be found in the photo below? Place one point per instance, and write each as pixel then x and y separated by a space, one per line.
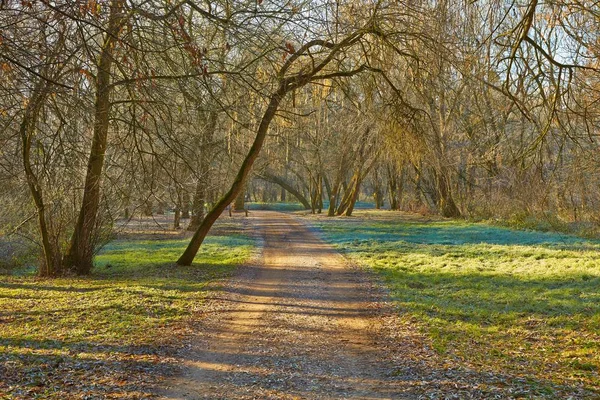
pixel 111 335
pixel 522 303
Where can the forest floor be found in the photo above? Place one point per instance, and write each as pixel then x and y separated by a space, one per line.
pixel 304 322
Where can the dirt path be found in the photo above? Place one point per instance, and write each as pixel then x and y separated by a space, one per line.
pixel 303 324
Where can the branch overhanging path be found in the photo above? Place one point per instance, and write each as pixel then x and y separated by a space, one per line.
pixel 287 83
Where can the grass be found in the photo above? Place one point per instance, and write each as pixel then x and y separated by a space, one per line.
pixel 520 302
pixel 109 334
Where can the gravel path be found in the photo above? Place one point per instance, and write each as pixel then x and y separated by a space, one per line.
pixel 302 323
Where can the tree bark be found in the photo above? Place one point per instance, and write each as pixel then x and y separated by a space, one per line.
pixel 446 203
pixel 81 251
pixel 239 204
pixel 394 188
pixel 177 218
pixel 185 206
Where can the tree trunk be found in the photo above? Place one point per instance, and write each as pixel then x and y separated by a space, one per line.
pixel 335 190
pixel 81 250
pixel 238 184
pixel 348 193
pixel 197 207
pixel 185 206
pixel 393 188
pixel 283 195
pixel 320 194
pixel 327 186
pixel 51 262
pixel 240 200
pixel 333 200
pixel 177 218
pixel 353 199
pixel 446 203
pixel 378 192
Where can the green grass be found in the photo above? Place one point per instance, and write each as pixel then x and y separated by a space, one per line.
pixel 520 302
pixel 111 330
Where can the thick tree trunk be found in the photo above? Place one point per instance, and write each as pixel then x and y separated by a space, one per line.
pixel 238 184
pixel 81 250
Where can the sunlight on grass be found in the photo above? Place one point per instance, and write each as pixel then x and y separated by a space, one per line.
pixel 136 286
pixel 136 302
pixel 519 301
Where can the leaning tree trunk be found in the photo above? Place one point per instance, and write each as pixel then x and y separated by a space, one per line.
pixel 238 184
pixel 81 250
pixel 286 84
pixel 335 191
pixel 349 193
pixel 350 208
pixel 353 190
